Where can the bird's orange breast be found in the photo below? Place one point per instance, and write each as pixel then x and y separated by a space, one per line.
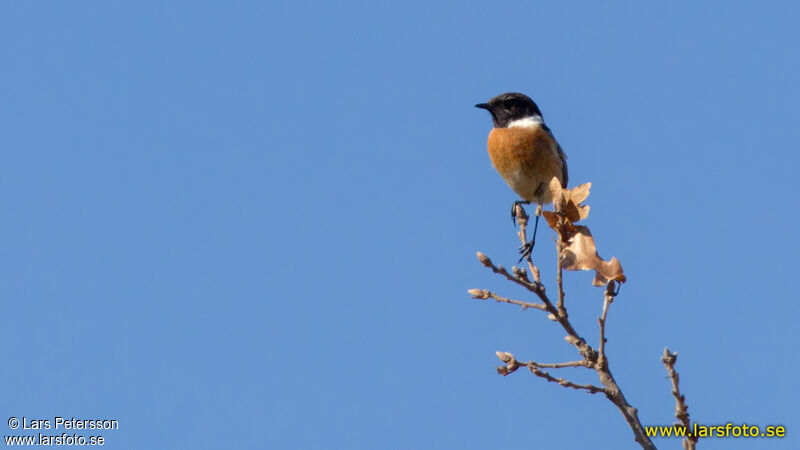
pixel 527 158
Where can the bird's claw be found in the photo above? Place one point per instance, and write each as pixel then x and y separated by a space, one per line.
pixel 514 210
pixel 525 250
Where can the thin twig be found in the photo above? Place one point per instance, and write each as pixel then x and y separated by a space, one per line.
pixel 581 363
pixel 573 338
pixel 536 368
pixel 681 408
pixel 592 389
pixel 484 294
pixel 533 287
pixel 562 310
pixel 561 244
pixel 601 321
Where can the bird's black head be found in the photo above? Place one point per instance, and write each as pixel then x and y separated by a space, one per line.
pixel 509 107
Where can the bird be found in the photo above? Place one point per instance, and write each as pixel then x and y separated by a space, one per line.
pixel 525 153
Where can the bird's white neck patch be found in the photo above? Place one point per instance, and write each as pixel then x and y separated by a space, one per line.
pixel 526 122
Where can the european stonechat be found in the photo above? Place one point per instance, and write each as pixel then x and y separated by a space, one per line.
pixel 525 152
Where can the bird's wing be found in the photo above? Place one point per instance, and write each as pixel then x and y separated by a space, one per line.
pixel 561 155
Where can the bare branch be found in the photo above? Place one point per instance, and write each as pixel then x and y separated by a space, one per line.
pixel 681 408
pixel 533 287
pixel 485 294
pixel 601 321
pixel 562 310
pixel 537 288
pixel 592 389
pixel 536 368
pixel 561 222
pixel 581 363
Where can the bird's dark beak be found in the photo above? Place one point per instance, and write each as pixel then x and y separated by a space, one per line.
pixel 483 106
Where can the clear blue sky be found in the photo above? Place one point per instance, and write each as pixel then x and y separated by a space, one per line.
pixel 253 224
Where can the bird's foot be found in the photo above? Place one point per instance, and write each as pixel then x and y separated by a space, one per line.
pixel 514 209
pixel 526 249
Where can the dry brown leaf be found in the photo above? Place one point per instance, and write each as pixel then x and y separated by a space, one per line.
pixel 583 212
pixel 568 201
pixel 573 212
pixel 581 254
pixel 577 196
pixel 557 194
pixel 580 193
pixel 552 219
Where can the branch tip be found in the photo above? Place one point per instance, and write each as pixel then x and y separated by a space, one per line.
pixel 479 293
pixel 484 259
pixel 505 356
